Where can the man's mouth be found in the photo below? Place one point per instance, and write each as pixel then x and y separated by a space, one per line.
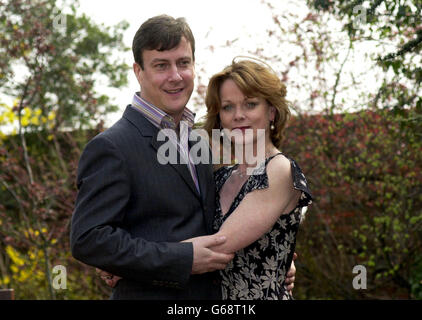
pixel 174 91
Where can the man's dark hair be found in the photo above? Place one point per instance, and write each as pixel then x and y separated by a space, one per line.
pixel 161 33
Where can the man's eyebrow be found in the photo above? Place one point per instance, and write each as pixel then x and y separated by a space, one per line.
pixel 158 60
pixel 167 60
pixel 184 59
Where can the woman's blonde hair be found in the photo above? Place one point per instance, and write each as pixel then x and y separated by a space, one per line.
pixel 254 80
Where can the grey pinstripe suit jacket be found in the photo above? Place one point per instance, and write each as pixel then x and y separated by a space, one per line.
pixel 131 212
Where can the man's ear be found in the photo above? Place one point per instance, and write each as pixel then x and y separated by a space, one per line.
pixel 138 72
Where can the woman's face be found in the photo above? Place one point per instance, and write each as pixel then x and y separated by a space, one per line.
pixel 242 116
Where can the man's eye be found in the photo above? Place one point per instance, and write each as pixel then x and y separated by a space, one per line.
pixel 160 66
pixel 184 63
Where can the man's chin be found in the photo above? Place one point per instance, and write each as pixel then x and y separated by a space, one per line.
pixel 173 110
pixel 177 105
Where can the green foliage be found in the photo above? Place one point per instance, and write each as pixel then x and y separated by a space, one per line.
pixel 50 64
pixel 365 173
pixel 416 279
pixel 397 23
pixel 61 56
pixel 35 217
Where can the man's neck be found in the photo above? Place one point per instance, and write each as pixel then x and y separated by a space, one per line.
pixel 176 117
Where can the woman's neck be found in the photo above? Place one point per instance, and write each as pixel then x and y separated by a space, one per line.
pixel 257 157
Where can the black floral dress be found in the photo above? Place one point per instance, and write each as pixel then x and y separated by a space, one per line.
pixel 257 272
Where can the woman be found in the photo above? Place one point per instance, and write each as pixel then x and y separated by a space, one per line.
pixel 258 210
pixel 259 213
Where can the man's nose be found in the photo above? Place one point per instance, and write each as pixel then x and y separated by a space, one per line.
pixel 175 74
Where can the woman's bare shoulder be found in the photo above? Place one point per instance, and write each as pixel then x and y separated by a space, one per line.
pixel 279 168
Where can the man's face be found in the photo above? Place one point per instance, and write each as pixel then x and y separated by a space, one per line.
pixel 168 78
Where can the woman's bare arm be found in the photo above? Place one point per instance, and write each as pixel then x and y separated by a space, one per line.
pixel 260 209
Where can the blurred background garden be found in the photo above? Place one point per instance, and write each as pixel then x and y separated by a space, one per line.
pixel 353 70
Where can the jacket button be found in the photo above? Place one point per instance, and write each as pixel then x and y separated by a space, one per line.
pixel 216 282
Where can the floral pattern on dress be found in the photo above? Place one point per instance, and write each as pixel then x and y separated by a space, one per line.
pixel 258 271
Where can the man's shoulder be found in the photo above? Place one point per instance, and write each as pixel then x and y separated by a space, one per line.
pixel 112 132
pixel 123 126
pixel 119 130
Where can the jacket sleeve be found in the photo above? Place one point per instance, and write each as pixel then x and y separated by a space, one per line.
pixel 96 236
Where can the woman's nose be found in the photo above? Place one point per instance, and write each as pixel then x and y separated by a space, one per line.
pixel 239 114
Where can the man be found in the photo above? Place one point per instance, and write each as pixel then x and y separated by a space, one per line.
pixel 132 212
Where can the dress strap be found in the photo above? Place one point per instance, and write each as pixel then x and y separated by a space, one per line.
pixel 274 155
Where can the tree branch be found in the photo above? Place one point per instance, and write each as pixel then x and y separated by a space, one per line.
pixel 22 135
pixel 333 100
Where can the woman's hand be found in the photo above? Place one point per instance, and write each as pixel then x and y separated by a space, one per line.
pixel 109 278
pixel 290 278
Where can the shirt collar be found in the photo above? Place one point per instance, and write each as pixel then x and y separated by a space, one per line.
pixel 158 117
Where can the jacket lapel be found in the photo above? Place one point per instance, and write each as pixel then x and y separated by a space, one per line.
pixel 201 168
pixel 205 178
pixel 147 129
pixel 182 169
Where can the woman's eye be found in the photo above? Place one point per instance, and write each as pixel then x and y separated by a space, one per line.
pixel 227 107
pixel 251 104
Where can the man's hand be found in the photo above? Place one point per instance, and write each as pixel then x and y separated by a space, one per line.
pixel 109 278
pixel 206 260
pixel 290 279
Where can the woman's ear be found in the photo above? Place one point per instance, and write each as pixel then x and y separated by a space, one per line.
pixel 273 112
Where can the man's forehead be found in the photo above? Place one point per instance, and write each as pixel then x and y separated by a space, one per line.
pixel 182 51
